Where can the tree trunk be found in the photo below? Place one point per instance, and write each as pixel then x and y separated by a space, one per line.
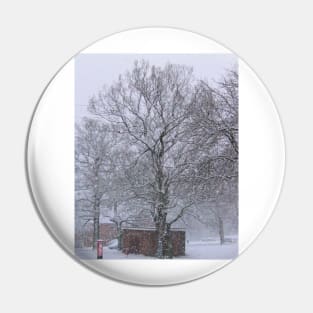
pixel 96 232
pixel 167 244
pixel 221 231
pixel 96 222
pixel 115 209
pixel 164 250
pixel 160 228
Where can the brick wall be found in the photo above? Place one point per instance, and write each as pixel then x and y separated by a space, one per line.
pixel 144 241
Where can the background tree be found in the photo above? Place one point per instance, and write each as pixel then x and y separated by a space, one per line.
pixel 92 164
pixel 101 187
pixel 214 124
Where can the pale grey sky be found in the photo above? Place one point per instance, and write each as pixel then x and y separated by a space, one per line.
pixel 92 71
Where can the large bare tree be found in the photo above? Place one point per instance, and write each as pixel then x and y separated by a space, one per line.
pixel 148 108
pixel 178 138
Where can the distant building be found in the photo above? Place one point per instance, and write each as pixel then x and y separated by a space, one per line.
pixel 108 232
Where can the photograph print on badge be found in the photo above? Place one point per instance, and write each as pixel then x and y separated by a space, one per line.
pixel 156 156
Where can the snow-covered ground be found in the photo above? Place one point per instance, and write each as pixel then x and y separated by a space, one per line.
pixel 194 250
pixel 210 250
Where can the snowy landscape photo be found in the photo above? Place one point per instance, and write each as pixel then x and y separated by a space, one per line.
pixel 156 156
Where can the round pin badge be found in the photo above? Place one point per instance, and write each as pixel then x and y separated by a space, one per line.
pixel 155 156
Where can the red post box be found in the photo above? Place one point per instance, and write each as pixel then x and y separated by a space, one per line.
pixel 100 249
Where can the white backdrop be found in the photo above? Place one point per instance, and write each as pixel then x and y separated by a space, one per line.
pixel 275 272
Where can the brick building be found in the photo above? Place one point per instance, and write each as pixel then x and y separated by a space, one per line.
pixel 144 241
pixel 108 232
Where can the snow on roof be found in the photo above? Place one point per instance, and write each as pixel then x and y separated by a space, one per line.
pixel 105 220
pixel 151 228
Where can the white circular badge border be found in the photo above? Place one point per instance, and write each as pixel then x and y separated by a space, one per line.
pixel 50 156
